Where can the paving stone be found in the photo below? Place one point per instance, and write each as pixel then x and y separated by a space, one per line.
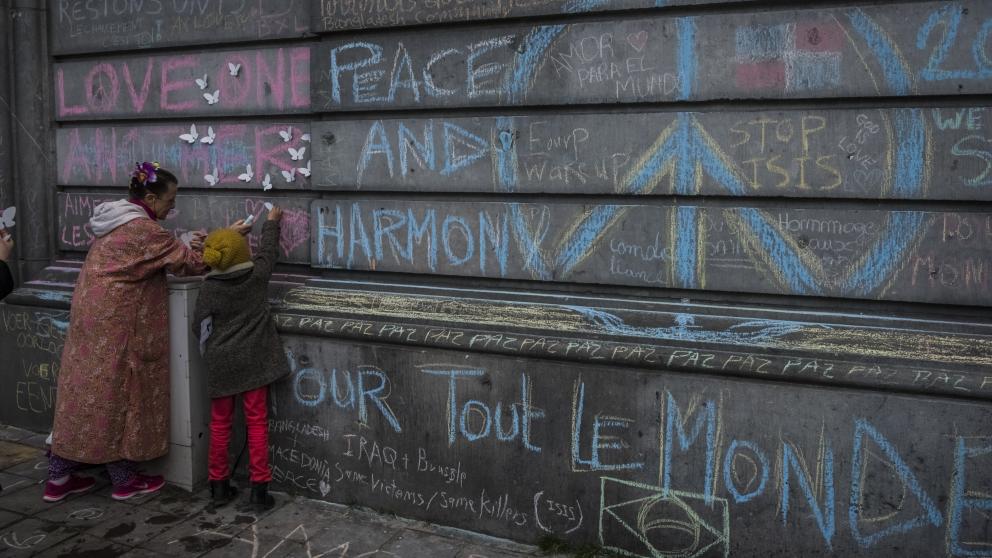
pixel 13 483
pixel 36 441
pixel 203 531
pixel 86 511
pixel 12 454
pixel 413 543
pixel 27 501
pixel 269 546
pixel 9 517
pixel 86 546
pixel 360 537
pixel 14 434
pixel 142 553
pixel 173 501
pixel 30 536
pixel 36 468
pixel 136 526
pixel 472 551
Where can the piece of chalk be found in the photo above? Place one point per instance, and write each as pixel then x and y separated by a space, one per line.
pixel 268 206
pixel 249 220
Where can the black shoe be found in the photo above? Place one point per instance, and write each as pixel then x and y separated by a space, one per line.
pixel 260 499
pixel 221 492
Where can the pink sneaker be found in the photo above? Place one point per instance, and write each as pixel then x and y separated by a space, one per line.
pixel 75 485
pixel 140 484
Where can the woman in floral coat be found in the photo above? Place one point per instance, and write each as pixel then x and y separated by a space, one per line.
pixel 113 400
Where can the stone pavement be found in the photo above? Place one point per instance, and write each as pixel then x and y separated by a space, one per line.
pixel 177 523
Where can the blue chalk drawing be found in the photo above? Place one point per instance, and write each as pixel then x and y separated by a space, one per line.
pixel 930 513
pixel 374 396
pixel 911 138
pixel 463 421
pixel 456 141
pixel 903 228
pixel 579 244
pixel 797 277
pixel 728 467
pixel 506 154
pixel 763 43
pixel 752 333
pixel 674 425
pixel 824 517
pixel 960 501
pixel 686 56
pixel 895 70
pixel 598 423
pixel 686 241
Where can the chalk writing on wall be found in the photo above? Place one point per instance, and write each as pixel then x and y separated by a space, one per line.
pixel 883 153
pixel 33 339
pixel 236 155
pixel 195 212
pixel 413 433
pixel 889 255
pixel 266 80
pixel 855 51
pixel 83 26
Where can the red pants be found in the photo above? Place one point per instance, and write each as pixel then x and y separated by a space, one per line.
pixel 256 424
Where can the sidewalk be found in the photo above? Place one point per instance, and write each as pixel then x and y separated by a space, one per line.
pixel 177 523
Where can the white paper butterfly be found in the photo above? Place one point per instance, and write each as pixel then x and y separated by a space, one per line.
pixel 267 182
pixel 234 68
pixel 209 138
pixel 305 171
pixel 212 99
pixel 202 83
pixel 286 134
pixel 305 137
pixel 7 218
pixel 247 176
pixel 297 154
pixel 289 175
pixel 212 178
pixel 191 136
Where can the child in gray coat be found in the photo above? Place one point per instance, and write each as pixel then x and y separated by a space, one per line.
pixel 242 351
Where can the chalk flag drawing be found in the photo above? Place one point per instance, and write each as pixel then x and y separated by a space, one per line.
pixel 646 521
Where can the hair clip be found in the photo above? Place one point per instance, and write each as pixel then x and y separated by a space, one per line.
pixel 145 172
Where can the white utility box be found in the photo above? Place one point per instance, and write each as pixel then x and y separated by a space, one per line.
pixel 185 465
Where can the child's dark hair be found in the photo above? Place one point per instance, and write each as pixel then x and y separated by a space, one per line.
pixel 137 189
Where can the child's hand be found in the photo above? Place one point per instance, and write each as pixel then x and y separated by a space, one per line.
pixel 275 214
pixel 241 227
pixel 196 242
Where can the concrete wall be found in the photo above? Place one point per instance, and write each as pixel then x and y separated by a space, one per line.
pixel 687 277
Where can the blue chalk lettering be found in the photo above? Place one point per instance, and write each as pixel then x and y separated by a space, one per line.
pixel 824 518
pixel 463 421
pixel 400 63
pixel 358 236
pixel 888 252
pixel 348 400
pixel 337 68
pixel 580 244
pixel 930 513
pixel 396 221
pixel 506 155
pixel 686 242
pixel 960 502
pixel 375 143
pixel 446 229
pixel 530 243
pixel 599 423
pixel 674 424
pixel 498 234
pixel 797 277
pixel 415 234
pixel 309 399
pixel 528 412
pixel 461 148
pixel 453 376
pixel 505 436
pixel 374 397
pixel 728 470
pixel 325 232
pixel 422 152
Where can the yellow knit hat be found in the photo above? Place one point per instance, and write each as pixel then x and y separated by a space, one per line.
pixel 224 248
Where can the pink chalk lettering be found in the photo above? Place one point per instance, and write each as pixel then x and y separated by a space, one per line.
pixel 60 86
pixel 266 79
pixel 299 77
pixel 98 98
pixel 168 65
pixel 276 155
pixel 138 100
pixel 234 90
pixel 76 158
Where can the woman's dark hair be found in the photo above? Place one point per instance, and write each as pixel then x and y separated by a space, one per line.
pixel 136 190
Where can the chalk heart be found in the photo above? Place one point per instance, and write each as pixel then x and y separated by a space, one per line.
pixel 866 178
pixel 295 229
pixel 254 207
pixel 638 40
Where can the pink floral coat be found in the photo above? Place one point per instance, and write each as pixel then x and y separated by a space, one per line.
pixel 113 388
